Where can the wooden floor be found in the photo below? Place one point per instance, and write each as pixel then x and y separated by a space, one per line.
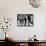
pixel 26 43
pixel 4 43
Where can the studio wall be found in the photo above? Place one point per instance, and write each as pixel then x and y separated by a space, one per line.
pixel 10 8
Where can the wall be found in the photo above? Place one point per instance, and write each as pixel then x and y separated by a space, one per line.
pixel 10 8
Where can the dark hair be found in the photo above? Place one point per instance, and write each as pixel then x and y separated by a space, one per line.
pixel 34 35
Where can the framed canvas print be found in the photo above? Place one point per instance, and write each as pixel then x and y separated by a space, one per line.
pixel 25 19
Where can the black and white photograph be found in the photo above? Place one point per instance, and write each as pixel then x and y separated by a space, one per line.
pixel 24 19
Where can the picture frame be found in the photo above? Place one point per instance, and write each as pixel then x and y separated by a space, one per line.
pixel 25 19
